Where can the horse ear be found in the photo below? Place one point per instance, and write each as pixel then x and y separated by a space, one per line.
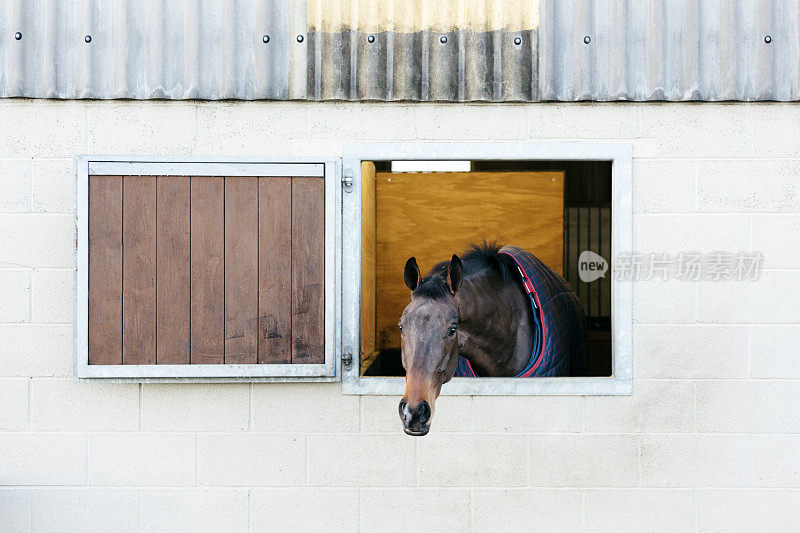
pixel 411 273
pixel 455 273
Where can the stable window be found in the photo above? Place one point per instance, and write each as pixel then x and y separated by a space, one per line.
pixel 558 200
pixel 228 269
pixel 206 269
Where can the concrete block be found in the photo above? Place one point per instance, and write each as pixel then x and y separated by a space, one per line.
pixel 66 405
pixel 303 407
pixel 352 121
pixel 36 240
pixel 655 406
pixel 14 407
pixel 372 460
pixel 690 352
pixel 15 185
pixel 480 122
pixel 15 295
pixel 637 510
pixel 44 128
pixel 52 296
pixel 583 460
pixel 35 350
pixel 250 128
pixel 43 459
pixel 659 301
pixel 776 237
pixel 526 414
pixel 84 509
pixel 193 510
pixel 663 185
pixel 15 510
pixel 583 121
pixel 775 351
pixel 693 460
pixel 52 185
pixel 231 459
pixel 303 509
pixel 748 406
pixel 389 510
pixel 195 406
pixel 674 234
pixel 751 301
pixel 142 459
pixel 525 510
pixel 705 130
pixel 776 460
pixel 775 131
pixel 141 128
pixel 472 460
pixel 776 511
pixel 728 185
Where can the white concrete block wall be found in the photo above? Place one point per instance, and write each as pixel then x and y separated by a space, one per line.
pixel 709 440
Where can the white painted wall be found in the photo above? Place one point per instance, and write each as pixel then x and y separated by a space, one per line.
pixel 710 439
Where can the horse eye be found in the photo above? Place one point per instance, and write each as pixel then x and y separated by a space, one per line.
pixel 452 330
pixel 400 328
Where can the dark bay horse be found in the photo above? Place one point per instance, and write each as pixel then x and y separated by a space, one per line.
pixel 475 306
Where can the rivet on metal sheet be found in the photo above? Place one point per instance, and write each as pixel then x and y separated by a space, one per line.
pixel 371 39
pixel 443 39
pixel 299 38
pixel 265 39
pixel 587 40
pixel 18 36
pixel 517 41
pixel 767 39
pixel 88 38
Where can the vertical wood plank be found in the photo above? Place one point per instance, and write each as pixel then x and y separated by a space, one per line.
pixel 207 267
pixel 241 270
pixel 368 251
pixel 308 270
pixel 139 270
pixel 173 277
pixel 105 270
pixel 275 274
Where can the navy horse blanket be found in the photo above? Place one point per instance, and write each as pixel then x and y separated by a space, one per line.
pixel 560 347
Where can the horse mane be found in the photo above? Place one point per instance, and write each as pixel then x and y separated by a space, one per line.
pixel 476 259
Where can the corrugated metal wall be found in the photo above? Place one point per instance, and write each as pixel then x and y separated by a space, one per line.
pixel 670 50
pixel 142 49
pixel 423 50
pixel 450 50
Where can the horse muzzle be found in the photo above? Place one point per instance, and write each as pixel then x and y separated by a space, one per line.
pixel 416 419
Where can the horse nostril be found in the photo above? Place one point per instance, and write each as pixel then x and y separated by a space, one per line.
pixel 402 409
pixel 424 412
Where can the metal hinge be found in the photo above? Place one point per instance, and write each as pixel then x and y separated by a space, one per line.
pixel 347 180
pixel 347 359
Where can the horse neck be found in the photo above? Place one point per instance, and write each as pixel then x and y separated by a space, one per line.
pixel 495 321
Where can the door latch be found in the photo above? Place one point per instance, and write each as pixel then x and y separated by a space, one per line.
pixel 347 359
pixel 347 180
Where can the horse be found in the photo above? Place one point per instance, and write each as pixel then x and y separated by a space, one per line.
pixel 481 315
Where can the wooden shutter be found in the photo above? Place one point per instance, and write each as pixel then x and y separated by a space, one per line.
pixel 206 270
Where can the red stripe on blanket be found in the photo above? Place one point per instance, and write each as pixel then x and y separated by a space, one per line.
pixel 530 289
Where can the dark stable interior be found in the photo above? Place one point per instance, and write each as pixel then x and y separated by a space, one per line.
pixel 587 219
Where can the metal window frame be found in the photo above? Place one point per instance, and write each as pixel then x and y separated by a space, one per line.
pixel 326 168
pixel 620 155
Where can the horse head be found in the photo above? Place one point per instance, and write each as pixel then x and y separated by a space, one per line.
pixel 429 340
